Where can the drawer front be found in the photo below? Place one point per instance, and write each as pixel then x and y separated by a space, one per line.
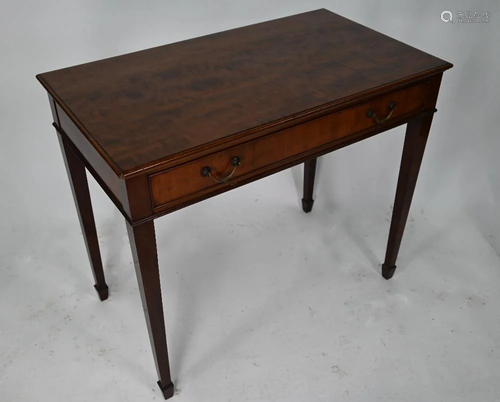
pixel 183 180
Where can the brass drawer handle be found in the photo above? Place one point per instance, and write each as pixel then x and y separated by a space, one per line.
pixel 207 171
pixel 391 106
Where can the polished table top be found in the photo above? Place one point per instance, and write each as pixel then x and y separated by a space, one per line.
pixel 146 107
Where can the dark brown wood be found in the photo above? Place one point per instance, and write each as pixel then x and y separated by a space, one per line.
pixel 196 93
pixel 417 133
pixel 309 175
pixel 98 177
pixel 413 151
pixel 137 197
pixel 143 243
pixel 79 186
pixel 95 164
pixel 275 95
pixel 171 185
pixel 275 168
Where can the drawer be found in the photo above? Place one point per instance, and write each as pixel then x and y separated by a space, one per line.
pixel 198 176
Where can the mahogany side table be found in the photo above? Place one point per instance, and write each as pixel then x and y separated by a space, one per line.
pixel 167 127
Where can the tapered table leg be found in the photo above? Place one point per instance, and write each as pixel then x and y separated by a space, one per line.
pixel 309 175
pixel 417 132
pixel 143 243
pixel 80 188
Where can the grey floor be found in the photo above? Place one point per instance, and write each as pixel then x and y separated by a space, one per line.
pixel 262 303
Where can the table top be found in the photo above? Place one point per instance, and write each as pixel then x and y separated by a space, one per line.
pixel 146 107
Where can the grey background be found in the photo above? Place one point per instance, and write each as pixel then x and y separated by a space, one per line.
pixel 262 302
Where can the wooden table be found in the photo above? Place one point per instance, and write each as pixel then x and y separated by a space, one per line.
pixel 167 127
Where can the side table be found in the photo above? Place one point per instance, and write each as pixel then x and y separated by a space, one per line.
pixel 168 127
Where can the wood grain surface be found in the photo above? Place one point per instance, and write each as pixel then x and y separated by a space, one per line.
pixel 146 107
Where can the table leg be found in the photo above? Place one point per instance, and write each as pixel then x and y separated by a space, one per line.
pixel 143 243
pixel 309 174
pixel 80 188
pixel 417 132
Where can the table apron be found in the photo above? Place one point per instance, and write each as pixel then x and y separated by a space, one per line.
pixel 214 173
